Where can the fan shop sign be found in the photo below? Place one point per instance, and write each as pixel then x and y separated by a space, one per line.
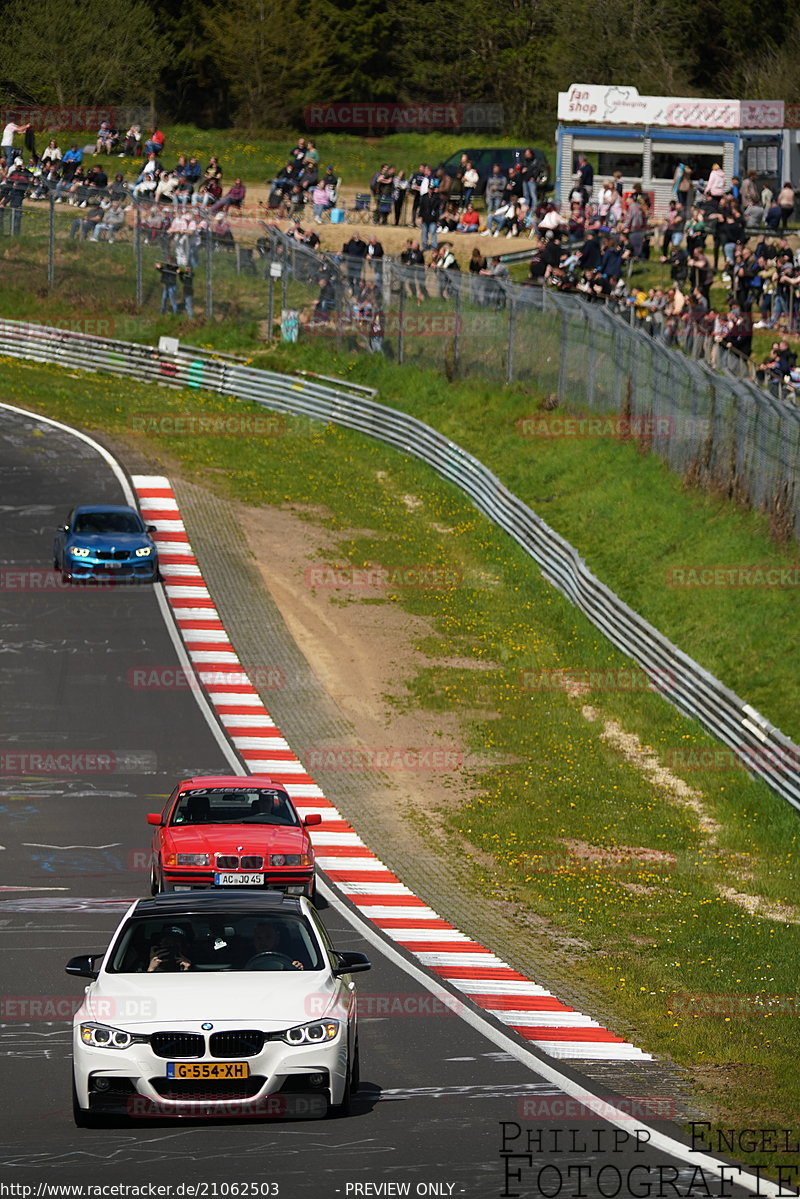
pixel 592 103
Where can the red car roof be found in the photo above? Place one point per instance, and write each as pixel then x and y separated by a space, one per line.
pixel 231 781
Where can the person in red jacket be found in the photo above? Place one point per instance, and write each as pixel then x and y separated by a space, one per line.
pixel 155 143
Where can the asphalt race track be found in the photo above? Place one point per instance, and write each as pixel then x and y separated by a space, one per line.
pixel 85 755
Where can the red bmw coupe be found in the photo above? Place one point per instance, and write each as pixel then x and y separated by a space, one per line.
pixel 232 831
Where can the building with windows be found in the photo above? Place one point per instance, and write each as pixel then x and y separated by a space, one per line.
pixel 647 137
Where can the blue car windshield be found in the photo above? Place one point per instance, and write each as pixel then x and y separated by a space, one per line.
pixel 107 522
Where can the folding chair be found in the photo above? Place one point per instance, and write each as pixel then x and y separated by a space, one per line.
pixel 360 212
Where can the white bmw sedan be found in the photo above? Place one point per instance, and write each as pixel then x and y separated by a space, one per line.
pixel 214 1003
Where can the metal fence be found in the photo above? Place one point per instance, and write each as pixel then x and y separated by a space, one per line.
pixel 720 431
pixel 764 750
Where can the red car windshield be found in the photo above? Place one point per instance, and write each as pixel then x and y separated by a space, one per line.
pixel 234 805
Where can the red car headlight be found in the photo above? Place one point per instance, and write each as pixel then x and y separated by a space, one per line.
pixel 291 859
pixel 186 859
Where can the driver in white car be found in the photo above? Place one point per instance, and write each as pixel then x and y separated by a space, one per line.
pixel 267 939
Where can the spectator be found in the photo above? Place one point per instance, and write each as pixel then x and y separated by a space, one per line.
pixel 634 224
pixel 7 147
pixel 155 143
pixel 187 280
pixel 470 221
pixel 786 200
pixel 430 207
pixel 107 139
pixel 496 274
pixel 234 198
pixel 51 154
pixel 477 264
pixel 355 251
pixel 701 272
pixel 147 180
pixel 110 223
pixel 495 189
pixel 470 179
pixel 529 174
pixel 375 257
pixel 86 224
pixel 169 286
pixel 412 257
pixel 399 191
pixel 445 264
pixel 221 232
pixel 584 178
pixel 415 187
pixel 132 147
pixel 716 186
pixel 209 192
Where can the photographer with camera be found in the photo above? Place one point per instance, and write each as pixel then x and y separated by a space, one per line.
pixel 170 954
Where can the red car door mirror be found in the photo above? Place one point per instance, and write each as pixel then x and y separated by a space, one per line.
pixel 313 818
pixel 154 818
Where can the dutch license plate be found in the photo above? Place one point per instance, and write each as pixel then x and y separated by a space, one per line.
pixel 238 880
pixel 197 1071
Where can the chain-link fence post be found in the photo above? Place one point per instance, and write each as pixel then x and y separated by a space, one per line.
pixel 457 329
pixel 401 320
pixel 51 240
pixel 137 245
pixel 512 319
pixel 209 274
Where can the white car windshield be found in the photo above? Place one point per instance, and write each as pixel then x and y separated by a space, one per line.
pixel 276 942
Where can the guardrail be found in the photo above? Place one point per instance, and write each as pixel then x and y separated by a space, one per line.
pixel 765 751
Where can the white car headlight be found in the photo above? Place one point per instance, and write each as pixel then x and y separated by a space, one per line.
pixel 144 551
pixel 192 859
pixel 79 551
pixel 312 1034
pixel 103 1036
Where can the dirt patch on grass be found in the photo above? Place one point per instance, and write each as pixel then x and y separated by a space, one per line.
pixel 619 855
pixel 766 909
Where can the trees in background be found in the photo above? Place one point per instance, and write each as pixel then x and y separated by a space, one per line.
pixel 259 63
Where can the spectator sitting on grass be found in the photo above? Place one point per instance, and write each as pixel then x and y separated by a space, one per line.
pixel 234 198
pixel 166 187
pixel 51 154
pixel 209 191
pixel 470 221
pixel 107 139
pixel 148 178
pixel 155 143
pixel 133 142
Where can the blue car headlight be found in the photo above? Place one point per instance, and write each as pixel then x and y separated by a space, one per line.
pixel 79 551
pixel 144 552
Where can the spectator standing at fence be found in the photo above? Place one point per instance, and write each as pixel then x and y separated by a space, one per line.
pixel 187 282
pixel 470 180
pixel 399 192
pixel 355 251
pixel 701 272
pixel 375 258
pixel 169 286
